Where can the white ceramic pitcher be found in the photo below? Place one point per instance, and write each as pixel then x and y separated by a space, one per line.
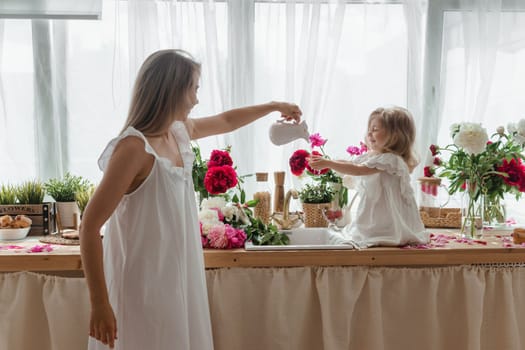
pixel 282 132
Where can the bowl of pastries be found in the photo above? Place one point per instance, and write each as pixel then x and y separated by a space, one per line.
pixel 13 228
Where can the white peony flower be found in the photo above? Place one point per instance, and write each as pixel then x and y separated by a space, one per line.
pixel 213 202
pixel 500 130
pixel 472 137
pixel 208 216
pixel 517 130
pixel 229 212
pixel 207 226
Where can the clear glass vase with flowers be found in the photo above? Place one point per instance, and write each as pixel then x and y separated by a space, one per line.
pixel 484 169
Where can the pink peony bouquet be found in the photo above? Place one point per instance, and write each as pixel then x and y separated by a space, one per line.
pixel 217 220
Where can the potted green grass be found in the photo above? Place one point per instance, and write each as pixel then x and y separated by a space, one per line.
pixel 64 192
pixel 27 199
pixel 315 198
pixel 7 195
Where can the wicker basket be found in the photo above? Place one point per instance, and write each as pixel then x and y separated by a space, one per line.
pixel 313 214
pixel 440 217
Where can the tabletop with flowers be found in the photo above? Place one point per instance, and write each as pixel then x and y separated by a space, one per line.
pixel 484 168
pixel 225 218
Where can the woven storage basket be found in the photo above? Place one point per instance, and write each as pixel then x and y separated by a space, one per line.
pixel 440 217
pixel 313 214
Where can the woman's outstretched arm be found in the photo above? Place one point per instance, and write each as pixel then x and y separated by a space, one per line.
pixel 236 118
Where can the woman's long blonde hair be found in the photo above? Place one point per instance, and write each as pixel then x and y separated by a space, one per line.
pixel 401 130
pixel 161 88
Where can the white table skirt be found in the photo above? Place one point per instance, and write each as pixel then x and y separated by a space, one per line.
pixel 460 307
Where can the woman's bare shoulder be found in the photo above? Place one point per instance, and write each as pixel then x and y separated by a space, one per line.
pixel 132 149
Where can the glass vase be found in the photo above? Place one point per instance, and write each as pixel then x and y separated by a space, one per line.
pixel 494 211
pixel 472 214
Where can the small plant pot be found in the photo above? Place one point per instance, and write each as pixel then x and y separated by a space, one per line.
pixel 313 214
pixel 68 215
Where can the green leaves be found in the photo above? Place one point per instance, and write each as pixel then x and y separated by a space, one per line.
pixel 481 169
pixel 65 189
pixel 261 234
pixel 316 193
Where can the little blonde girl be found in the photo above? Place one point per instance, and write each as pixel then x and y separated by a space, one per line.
pixel 387 212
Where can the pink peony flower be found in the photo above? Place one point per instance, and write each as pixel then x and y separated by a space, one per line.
pixel 356 151
pixel 217 237
pixel 316 140
pixel 236 237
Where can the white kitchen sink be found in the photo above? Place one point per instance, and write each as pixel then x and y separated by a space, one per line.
pixel 308 238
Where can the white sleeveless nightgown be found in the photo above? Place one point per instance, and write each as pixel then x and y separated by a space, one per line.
pixel 153 259
pixel 387 214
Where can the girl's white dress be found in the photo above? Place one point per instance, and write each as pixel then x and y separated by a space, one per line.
pixel 387 214
pixel 153 259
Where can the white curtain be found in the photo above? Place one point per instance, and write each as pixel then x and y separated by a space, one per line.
pixel 337 60
pixel 415 15
pixel 482 75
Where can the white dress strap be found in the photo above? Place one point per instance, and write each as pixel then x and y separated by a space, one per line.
pixel 104 158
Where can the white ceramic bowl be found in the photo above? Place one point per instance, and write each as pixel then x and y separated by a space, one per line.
pixel 8 234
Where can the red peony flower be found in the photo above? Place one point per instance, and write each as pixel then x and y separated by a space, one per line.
pixel 312 170
pixel 298 162
pixel 429 171
pixel 516 171
pixel 437 161
pixel 219 179
pixel 434 150
pixel 219 158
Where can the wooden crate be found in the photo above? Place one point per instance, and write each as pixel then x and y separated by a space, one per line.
pixel 440 217
pixel 42 215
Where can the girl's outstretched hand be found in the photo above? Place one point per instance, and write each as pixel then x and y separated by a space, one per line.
pixel 289 111
pixel 318 162
pixel 103 325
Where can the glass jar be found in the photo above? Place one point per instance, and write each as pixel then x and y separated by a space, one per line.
pixel 428 194
pixel 263 208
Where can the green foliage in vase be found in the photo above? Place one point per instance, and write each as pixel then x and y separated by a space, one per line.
pixel 316 193
pixel 30 192
pixel 7 194
pixel 65 189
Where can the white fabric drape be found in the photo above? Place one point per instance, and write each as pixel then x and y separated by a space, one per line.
pixel 481 31
pixel 331 308
pixel 415 15
pixel 43 312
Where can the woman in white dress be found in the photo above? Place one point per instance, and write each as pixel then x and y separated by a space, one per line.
pixel 387 212
pixel 146 277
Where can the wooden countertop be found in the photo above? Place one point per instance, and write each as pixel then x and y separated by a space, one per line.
pixel 493 248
